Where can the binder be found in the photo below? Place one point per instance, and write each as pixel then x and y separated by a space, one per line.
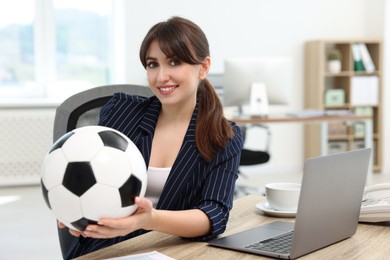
pixel 357 58
pixel 366 58
pixel 364 91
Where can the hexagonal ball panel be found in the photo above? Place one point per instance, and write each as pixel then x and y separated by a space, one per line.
pixel 53 169
pixel 78 177
pixel 100 201
pixel 83 145
pixel 65 205
pixel 111 167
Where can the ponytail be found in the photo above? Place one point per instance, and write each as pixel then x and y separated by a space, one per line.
pixel 213 131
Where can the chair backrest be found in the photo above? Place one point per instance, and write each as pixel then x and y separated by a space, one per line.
pixel 251 156
pixel 83 109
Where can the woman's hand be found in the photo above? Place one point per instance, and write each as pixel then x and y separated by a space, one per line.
pixel 110 227
pixel 73 232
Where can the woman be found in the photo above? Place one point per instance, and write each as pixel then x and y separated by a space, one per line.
pixel 191 150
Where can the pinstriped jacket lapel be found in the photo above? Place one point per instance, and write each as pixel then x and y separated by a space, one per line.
pixel 148 126
pixel 187 159
pixel 182 169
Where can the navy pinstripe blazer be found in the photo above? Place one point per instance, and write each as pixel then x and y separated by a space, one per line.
pixel 192 182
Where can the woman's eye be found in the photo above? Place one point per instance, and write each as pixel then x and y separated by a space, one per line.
pixel 174 62
pixel 151 65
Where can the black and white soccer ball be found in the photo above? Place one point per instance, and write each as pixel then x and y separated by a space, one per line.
pixel 90 173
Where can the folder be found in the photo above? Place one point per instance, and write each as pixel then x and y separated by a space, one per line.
pixel 366 58
pixel 364 91
pixel 357 58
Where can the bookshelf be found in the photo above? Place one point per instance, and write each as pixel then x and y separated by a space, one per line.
pixel 357 87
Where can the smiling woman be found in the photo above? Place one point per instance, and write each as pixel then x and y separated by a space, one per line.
pixel 184 115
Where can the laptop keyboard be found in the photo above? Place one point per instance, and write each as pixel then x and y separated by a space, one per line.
pixel 280 244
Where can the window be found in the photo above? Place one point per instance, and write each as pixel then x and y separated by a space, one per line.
pixel 17 56
pixel 81 30
pixel 54 47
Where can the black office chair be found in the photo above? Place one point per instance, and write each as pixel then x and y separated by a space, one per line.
pixel 253 157
pixel 82 109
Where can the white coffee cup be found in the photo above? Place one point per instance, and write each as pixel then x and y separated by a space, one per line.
pixel 283 196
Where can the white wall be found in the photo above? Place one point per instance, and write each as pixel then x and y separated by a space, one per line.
pixel 261 28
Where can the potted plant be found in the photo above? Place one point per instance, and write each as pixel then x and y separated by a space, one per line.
pixel 334 61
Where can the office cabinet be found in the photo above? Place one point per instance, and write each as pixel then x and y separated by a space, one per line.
pixel 355 88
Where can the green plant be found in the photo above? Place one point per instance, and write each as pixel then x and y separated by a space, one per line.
pixel 334 54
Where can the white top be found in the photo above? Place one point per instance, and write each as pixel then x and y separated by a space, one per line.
pixel 156 181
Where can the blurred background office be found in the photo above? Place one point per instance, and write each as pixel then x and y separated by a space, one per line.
pixel 50 49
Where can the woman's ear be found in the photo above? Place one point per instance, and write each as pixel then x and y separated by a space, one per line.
pixel 204 68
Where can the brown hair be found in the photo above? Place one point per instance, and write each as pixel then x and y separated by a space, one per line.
pixel 183 40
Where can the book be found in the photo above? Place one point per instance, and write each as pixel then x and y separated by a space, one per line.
pixel 357 58
pixel 366 58
pixel 364 91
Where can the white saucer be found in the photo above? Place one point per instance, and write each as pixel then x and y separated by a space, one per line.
pixel 264 206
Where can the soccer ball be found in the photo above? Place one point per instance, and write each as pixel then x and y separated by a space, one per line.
pixel 90 173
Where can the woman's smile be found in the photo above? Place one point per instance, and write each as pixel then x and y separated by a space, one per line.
pixel 167 89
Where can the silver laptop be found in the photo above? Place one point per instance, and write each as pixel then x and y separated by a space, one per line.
pixel 328 210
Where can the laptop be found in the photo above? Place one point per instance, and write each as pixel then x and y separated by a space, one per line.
pixel 328 210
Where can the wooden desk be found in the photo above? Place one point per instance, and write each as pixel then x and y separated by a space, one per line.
pixel 369 242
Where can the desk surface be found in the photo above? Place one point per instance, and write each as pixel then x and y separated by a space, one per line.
pixel 369 242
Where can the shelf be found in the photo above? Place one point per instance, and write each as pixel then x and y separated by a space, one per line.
pixel 319 80
pixel 339 74
pixel 352 73
pixel 338 137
